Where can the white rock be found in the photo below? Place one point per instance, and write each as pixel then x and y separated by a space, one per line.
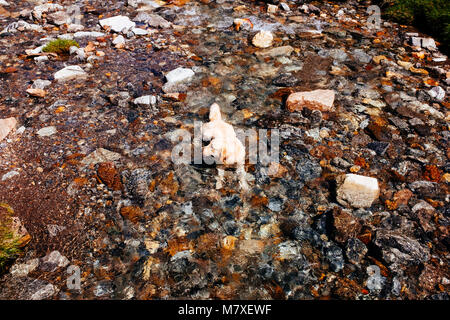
pixel 119 40
pixel 153 20
pixel 32 52
pixel 263 39
pixel 40 59
pixel 44 293
pixel 285 6
pixel 139 31
pixel 357 191
pixel 145 100
pixel 179 75
pixel 56 258
pixel 47 131
pixel 437 93
pixel 21 26
pixel 73 27
pixel 427 43
pixel 144 5
pixel 6 125
pixel 88 34
pixel 65 36
pixel 118 23
pixel 23 269
pixel 9 175
pixel 59 18
pixel 40 84
pixel 271 8
pixel 44 8
pixel 70 72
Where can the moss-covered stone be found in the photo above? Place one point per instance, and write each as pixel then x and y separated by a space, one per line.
pixel 13 236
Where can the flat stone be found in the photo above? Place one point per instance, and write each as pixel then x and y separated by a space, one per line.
pixel 139 31
pixel 179 75
pixel 47 131
pixel 56 259
pixel 35 92
pixel 317 99
pixel 263 39
pixel 275 52
pixel 153 20
pixel 145 100
pixel 21 26
pixel 100 155
pixel 427 43
pixel 357 191
pixel 437 93
pixel 23 269
pixel 73 27
pixel 117 23
pixel 119 40
pixel 69 73
pixel 88 34
pixel 9 175
pixel 59 18
pixel 44 293
pixel 6 125
pixel 40 84
pixel 46 8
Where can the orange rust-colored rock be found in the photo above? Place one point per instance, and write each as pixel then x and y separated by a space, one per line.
pixel 432 173
pixel 258 201
pixel 109 175
pixel 131 213
pixel 402 197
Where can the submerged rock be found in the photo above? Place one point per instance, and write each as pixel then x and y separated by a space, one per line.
pixel 316 100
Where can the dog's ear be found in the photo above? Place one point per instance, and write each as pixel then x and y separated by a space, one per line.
pixel 214 112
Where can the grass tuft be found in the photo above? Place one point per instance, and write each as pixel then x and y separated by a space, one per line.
pixel 60 46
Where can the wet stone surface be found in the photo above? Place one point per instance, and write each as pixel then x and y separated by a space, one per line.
pixel 94 184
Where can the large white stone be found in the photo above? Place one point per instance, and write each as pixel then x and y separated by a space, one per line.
pixel 179 75
pixel 145 100
pixel 47 131
pixel 70 72
pixel 437 93
pixel 118 23
pixel 46 8
pixel 6 125
pixel 88 34
pixel 263 39
pixel 357 191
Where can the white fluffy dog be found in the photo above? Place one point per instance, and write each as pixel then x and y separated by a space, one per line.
pixel 225 148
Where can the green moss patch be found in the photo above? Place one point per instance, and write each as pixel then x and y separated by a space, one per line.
pixel 60 46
